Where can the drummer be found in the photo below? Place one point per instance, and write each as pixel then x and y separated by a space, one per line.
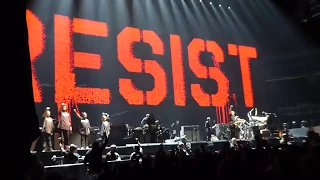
pixel 250 116
pixel 255 118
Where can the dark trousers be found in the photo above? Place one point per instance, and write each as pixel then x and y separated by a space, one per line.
pixel 208 135
pixel 152 136
pixel 84 140
pixel 65 137
pixel 103 138
pixel 47 141
pixel 233 132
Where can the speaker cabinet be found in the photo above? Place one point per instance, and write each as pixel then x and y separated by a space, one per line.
pixel 191 132
pixel 117 134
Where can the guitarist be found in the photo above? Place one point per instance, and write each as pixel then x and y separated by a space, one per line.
pixel 233 119
pixel 149 125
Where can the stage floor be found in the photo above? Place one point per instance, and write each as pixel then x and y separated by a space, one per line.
pixel 125 151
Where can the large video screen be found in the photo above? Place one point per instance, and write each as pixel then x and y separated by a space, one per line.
pixel 129 58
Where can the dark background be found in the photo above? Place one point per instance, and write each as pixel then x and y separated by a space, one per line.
pixel 257 24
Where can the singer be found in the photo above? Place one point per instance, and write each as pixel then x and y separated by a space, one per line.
pixel 84 129
pixel 47 128
pixel 65 125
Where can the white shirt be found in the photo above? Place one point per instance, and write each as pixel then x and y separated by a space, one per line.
pixel 105 128
pixel 47 126
pixel 65 121
pixel 85 126
pixel 260 118
pixel 117 156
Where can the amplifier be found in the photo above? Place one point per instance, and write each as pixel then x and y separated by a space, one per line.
pixel 192 132
pixel 117 134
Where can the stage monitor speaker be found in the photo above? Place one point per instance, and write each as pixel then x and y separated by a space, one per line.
pixel 191 132
pixel 117 134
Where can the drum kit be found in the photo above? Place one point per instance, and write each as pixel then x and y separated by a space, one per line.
pixel 161 133
pixel 221 132
pixel 243 129
pixel 247 129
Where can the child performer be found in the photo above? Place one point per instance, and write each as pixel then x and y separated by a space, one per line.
pixel 105 126
pixel 47 128
pixel 84 129
pixel 65 125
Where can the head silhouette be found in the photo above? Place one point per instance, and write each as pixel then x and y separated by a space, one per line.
pixel 95 144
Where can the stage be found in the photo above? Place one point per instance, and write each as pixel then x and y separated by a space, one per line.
pixel 152 148
pixel 148 149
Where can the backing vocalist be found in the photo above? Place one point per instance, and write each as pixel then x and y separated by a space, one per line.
pixel 233 119
pixel 47 128
pixel 65 125
pixel 149 124
pixel 84 129
pixel 105 126
pixel 207 126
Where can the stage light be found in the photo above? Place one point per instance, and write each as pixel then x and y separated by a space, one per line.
pixel 210 3
pixel 219 5
pixel 229 7
pixel 200 0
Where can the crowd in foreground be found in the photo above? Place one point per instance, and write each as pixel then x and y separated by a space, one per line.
pixel 288 161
